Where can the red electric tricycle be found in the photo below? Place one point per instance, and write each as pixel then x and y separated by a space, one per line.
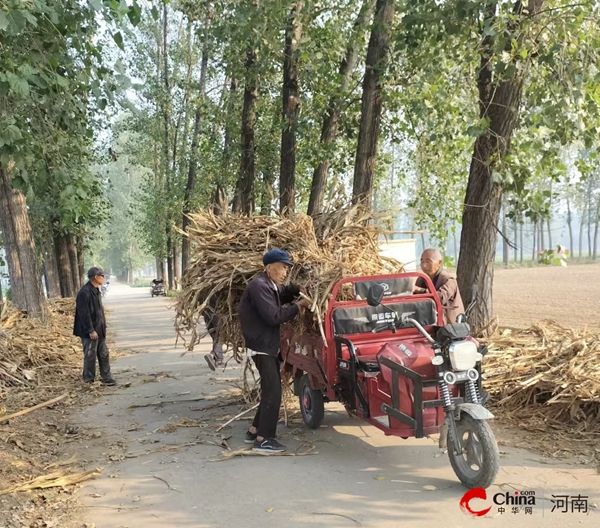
pixel 386 354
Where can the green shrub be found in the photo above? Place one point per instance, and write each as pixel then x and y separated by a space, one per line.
pixel 141 282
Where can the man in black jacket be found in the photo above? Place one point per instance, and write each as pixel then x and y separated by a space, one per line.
pixel 90 326
pixel 266 304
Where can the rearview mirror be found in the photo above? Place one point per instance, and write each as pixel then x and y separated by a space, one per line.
pixel 375 294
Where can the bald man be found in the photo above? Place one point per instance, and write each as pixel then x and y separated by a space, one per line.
pixel 445 285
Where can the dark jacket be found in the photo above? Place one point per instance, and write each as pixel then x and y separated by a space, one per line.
pixel 447 290
pixel 262 310
pixel 89 313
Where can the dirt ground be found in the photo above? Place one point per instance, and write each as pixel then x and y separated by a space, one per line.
pixel 568 295
pixel 155 440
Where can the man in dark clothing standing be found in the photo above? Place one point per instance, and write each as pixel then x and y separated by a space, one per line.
pixel 90 326
pixel 445 285
pixel 266 304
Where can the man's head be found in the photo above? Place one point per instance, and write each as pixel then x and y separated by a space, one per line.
pixel 431 261
pixel 277 264
pixel 96 276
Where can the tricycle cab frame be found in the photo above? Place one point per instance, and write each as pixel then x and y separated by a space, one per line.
pixel 385 378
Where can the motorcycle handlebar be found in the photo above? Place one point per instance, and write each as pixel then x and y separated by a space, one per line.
pixel 421 330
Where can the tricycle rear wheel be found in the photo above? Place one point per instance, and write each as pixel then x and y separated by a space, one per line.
pixel 479 462
pixel 312 405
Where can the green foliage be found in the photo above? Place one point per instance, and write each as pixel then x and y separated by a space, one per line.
pixel 142 282
pixel 556 257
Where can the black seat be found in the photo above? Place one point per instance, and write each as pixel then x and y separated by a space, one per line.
pixel 391 287
pixel 362 319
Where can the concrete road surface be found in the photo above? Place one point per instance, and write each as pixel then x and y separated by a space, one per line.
pixel 157 477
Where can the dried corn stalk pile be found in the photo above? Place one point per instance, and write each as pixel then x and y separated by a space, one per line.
pixel 36 360
pixel 546 375
pixel 228 251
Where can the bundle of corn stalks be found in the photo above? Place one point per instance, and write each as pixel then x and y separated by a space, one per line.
pixel 228 251
pixel 546 375
pixel 36 359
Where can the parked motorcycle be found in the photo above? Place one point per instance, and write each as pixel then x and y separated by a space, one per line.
pixel 158 288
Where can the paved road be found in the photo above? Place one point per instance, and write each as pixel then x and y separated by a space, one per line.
pixel 358 478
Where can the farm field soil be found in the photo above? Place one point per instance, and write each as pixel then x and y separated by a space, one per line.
pixel 567 295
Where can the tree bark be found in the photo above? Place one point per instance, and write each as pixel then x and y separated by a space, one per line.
pixel 504 239
pixel 267 194
pixel 290 110
pixel 51 269
pixel 160 268
pixel 595 239
pixel 80 256
pixel 533 239
pixel 170 269
pixel 589 219
pixel 521 239
pixel 65 273
pixel 176 265
pixel 498 104
pixel 581 225
pixel 370 120
pixel 21 256
pixel 74 262
pixel 541 231
pixel 516 238
pixel 244 195
pixel 191 179
pixel 570 225
pixel 332 114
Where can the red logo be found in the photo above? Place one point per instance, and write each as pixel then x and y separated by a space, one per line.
pixel 475 493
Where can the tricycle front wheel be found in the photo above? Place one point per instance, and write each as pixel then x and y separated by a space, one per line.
pixel 479 462
pixel 311 404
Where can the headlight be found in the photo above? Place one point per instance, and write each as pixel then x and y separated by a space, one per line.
pixel 463 355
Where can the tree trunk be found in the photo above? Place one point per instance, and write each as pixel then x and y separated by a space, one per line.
pixel 244 195
pixel 267 194
pixel 290 110
pixel 548 226
pixel 516 237
pixel 332 114
pixel 504 239
pixel 455 245
pixel 581 225
pixel 65 272
pixel 51 269
pixel 80 256
pixel 191 179
pixel 370 120
pixel 176 265
pixel 219 196
pixel 570 225
pixel 170 270
pixel 541 231
pixel 21 256
pixel 595 240
pixel 160 268
pixel 74 262
pixel 589 219
pixel 521 239
pixel 533 239
pixel 498 104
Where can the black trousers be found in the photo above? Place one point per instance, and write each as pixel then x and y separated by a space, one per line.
pixel 267 414
pixel 92 349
